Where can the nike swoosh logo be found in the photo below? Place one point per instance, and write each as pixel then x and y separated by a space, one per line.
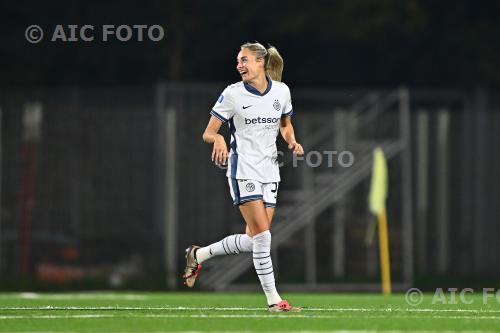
pixel 262 264
pixel 246 107
pixel 210 251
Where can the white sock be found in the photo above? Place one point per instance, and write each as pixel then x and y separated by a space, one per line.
pixel 232 244
pixel 264 266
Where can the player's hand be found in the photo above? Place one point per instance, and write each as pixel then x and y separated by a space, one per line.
pixel 219 153
pixel 296 148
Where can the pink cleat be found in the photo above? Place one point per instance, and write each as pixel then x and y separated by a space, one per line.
pixel 284 306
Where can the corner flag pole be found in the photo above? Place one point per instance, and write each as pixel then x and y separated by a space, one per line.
pixel 377 198
pixel 384 253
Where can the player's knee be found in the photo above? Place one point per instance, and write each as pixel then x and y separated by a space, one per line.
pixel 258 229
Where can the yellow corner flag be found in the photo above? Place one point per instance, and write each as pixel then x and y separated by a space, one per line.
pixel 378 189
pixel 377 198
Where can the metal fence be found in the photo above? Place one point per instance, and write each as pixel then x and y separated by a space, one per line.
pixel 115 182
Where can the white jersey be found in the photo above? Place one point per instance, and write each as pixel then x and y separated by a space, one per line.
pixel 254 122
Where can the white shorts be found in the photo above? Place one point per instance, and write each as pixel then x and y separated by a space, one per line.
pixel 245 190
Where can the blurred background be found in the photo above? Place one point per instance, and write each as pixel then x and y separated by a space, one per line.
pixel 105 179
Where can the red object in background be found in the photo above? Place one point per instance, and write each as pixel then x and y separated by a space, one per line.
pixel 29 155
pixel 69 253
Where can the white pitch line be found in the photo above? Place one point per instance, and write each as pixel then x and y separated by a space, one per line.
pixel 304 316
pixel 182 308
pixel 239 316
pixel 55 316
pixel 28 295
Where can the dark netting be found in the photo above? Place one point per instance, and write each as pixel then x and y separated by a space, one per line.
pixel 98 183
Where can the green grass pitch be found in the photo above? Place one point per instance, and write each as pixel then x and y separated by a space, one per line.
pixel 239 312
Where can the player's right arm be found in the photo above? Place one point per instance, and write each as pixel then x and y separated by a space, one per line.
pixel 211 135
pixel 222 111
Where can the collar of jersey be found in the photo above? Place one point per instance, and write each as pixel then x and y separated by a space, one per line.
pixel 254 91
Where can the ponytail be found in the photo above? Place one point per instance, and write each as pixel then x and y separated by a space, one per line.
pixel 274 64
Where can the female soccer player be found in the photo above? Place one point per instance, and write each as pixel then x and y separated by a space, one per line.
pixel 256 109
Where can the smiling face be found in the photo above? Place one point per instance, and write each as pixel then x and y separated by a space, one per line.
pixel 248 66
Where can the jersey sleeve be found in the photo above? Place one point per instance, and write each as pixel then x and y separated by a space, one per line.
pixel 288 109
pixel 223 108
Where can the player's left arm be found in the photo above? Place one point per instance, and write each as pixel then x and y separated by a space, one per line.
pixel 288 134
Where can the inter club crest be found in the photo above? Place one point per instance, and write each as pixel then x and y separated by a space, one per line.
pixel 277 105
pixel 250 187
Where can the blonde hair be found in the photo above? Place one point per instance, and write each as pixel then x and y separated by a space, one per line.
pixel 273 62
